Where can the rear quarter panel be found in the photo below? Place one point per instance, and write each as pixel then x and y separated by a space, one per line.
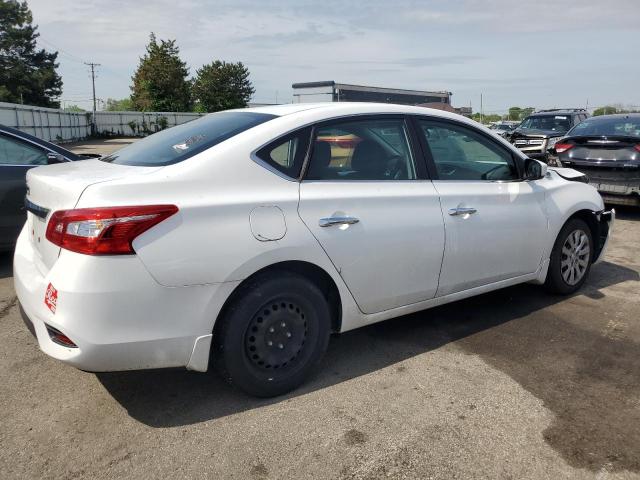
pixel 210 241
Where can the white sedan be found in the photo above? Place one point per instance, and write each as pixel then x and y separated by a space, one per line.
pixel 242 240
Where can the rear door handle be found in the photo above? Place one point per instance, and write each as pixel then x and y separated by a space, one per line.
pixel 330 221
pixel 462 211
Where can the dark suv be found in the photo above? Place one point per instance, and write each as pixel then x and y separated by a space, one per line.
pixel 539 131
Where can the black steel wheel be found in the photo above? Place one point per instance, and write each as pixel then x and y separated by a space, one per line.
pixel 273 334
pixel 276 335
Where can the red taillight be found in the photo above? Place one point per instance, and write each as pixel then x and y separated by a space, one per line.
pixel 563 147
pixel 637 147
pixel 104 231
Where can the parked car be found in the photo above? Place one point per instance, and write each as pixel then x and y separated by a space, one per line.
pixel 607 150
pixel 539 131
pixel 235 240
pixel 504 128
pixel 20 152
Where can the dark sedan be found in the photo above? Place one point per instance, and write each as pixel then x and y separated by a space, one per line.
pixel 607 150
pixel 19 152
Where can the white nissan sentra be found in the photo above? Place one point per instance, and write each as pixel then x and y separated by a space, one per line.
pixel 242 240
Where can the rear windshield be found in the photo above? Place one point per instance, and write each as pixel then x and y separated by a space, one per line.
pixel 622 126
pixel 183 141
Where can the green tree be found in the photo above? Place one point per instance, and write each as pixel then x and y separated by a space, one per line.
pixel 74 108
pixel 611 109
pixel 519 113
pixel 27 74
pixel 221 86
pixel 160 83
pixel 124 105
pixel 493 117
pixel 514 113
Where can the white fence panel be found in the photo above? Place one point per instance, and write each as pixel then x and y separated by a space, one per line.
pixel 47 123
pixel 140 123
pixel 59 126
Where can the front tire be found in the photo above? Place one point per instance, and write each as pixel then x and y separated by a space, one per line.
pixel 273 334
pixel 571 258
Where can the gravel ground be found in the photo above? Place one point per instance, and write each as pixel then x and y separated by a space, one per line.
pixel 512 384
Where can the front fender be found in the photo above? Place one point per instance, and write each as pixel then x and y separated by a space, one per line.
pixel 564 199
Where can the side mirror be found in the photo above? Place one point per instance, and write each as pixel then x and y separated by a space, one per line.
pixel 54 158
pixel 534 170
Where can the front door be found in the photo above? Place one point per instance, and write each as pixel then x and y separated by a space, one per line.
pixel 367 202
pixel 495 223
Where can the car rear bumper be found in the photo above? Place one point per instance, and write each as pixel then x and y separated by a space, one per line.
pixel 117 315
pixel 620 186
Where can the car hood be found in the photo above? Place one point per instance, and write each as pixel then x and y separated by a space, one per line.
pixel 533 133
pixel 569 174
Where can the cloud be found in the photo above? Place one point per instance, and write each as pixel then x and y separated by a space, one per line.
pixel 419 61
pixel 512 51
pixel 311 34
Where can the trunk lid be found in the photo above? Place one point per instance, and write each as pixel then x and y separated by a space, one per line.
pixel 602 150
pixel 59 187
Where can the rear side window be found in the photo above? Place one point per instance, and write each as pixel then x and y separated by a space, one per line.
pixel 287 154
pixel 362 149
pixel 183 141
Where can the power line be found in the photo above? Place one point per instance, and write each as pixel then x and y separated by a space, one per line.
pixel 71 56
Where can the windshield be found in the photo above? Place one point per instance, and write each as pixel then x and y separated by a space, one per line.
pixel 183 141
pixel 612 126
pixel 555 123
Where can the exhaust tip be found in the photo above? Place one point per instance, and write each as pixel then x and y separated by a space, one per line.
pixel 60 338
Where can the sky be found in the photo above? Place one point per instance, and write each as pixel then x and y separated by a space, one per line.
pixel 545 53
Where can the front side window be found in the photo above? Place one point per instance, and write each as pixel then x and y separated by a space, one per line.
pixel 183 141
pixel 459 153
pixel 367 149
pixel 15 152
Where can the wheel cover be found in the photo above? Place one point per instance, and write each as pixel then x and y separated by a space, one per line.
pixel 276 335
pixel 575 256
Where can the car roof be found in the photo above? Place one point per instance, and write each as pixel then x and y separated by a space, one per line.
pixel 330 109
pixel 38 141
pixel 557 112
pixel 615 115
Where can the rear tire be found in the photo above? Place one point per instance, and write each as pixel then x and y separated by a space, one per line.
pixel 571 258
pixel 273 334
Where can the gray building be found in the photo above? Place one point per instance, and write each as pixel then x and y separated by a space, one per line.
pixel 330 91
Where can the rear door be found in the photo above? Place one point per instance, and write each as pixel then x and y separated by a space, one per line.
pixel 16 157
pixel 495 223
pixel 369 204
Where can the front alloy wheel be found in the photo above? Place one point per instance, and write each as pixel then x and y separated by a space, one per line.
pixel 576 254
pixel 571 258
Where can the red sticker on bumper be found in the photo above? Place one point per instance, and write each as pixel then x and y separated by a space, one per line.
pixel 51 298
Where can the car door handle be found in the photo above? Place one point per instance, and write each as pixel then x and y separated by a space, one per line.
pixel 330 221
pixel 462 211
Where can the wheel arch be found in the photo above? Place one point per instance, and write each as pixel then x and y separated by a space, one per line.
pixel 309 270
pixel 590 217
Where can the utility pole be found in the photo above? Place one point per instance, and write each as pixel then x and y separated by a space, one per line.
pixel 481 112
pixel 93 85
